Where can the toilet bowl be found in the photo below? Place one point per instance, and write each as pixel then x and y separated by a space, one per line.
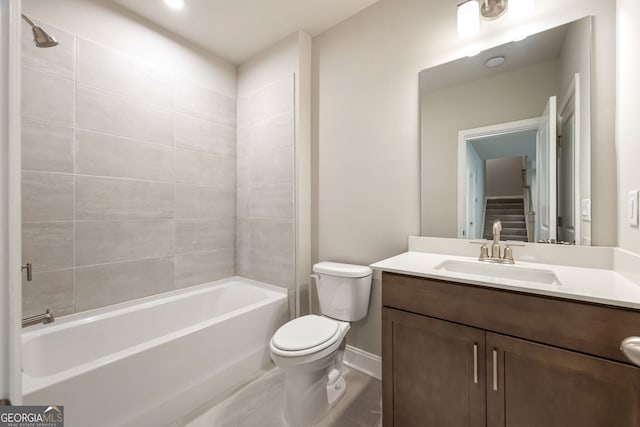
pixel 310 348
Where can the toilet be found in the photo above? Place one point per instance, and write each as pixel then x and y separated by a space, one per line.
pixel 310 349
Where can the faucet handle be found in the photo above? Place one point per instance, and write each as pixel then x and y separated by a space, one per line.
pixel 484 253
pixel 508 255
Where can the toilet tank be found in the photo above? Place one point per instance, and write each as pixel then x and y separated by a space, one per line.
pixel 343 290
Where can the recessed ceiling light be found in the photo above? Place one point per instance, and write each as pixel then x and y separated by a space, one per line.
pixel 495 62
pixel 175 4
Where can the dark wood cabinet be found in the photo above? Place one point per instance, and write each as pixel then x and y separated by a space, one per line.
pixel 539 385
pixel 438 372
pixel 448 363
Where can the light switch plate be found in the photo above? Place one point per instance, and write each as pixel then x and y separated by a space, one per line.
pixel 585 211
pixel 632 208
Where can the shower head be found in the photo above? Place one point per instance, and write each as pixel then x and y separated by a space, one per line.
pixel 40 37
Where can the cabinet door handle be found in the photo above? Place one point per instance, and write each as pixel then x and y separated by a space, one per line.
pixel 475 363
pixel 495 370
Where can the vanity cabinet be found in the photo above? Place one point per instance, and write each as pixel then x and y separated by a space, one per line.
pixel 464 355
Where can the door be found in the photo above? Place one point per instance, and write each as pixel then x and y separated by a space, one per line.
pixel 433 372
pixel 10 228
pixel 471 205
pixel 566 174
pixel 533 385
pixel 569 165
pixel 546 174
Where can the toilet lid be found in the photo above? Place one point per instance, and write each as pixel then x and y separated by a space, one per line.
pixel 304 332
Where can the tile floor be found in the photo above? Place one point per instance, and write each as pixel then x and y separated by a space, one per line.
pixel 259 403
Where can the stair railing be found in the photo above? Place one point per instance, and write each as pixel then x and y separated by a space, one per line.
pixel 531 215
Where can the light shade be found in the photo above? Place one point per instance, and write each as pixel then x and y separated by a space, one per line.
pixel 468 18
pixel 519 9
pixel 175 4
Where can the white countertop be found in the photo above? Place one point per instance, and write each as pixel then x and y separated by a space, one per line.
pixel 576 283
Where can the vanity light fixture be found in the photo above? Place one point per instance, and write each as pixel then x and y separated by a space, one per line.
pixel 468 18
pixel 469 12
pixel 519 9
pixel 175 4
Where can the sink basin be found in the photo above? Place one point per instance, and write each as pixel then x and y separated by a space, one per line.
pixel 501 271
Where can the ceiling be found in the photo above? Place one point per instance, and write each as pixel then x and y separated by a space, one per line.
pixel 238 29
pixel 537 48
pixel 512 144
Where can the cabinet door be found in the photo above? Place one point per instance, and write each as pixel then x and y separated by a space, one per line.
pixel 433 372
pixel 537 385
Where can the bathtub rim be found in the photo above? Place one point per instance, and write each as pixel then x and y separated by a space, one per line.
pixel 33 384
pixel 89 315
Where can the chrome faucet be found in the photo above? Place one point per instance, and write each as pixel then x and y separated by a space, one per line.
pixel 495 248
pixel 43 318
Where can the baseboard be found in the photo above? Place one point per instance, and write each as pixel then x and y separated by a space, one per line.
pixel 365 362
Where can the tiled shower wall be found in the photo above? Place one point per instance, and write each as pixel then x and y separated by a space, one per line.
pixel 266 219
pixel 129 178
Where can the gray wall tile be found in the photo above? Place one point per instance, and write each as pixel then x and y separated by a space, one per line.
pixel 51 290
pixel 47 196
pixel 274 237
pixel 204 102
pixel 100 285
pixel 197 168
pixel 108 198
pixel 244 111
pixel 100 173
pixel 275 167
pixel 121 116
pixel 274 99
pixel 200 134
pixel 100 242
pixel 113 71
pixel 244 173
pixel 47 147
pixel 243 202
pixel 264 268
pixel 204 202
pixel 272 201
pixel 47 245
pixel 243 141
pixel 47 98
pixel 243 232
pixel 271 134
pixel 243 267
pixel 203 267
pixel 59 61
pixel 196 235
pixel 106 155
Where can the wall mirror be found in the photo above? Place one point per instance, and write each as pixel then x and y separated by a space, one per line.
pixel 506 134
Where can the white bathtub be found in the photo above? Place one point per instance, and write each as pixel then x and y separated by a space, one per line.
pixel 150 361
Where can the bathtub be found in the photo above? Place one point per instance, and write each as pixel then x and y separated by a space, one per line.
pixel 151 361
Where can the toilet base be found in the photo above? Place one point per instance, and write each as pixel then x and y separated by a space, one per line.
pixel 336 391
pixel 318 399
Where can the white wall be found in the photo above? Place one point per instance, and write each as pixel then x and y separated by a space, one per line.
pixel 576 58
pixel 504 177
pixel 628 111
pixel 113 26
pixel 366 121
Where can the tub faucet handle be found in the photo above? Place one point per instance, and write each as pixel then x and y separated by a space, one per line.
pixel 27 267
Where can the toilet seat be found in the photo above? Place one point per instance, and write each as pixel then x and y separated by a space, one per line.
pixel 305 335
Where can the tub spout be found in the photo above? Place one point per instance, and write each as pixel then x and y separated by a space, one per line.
pixel 44 318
